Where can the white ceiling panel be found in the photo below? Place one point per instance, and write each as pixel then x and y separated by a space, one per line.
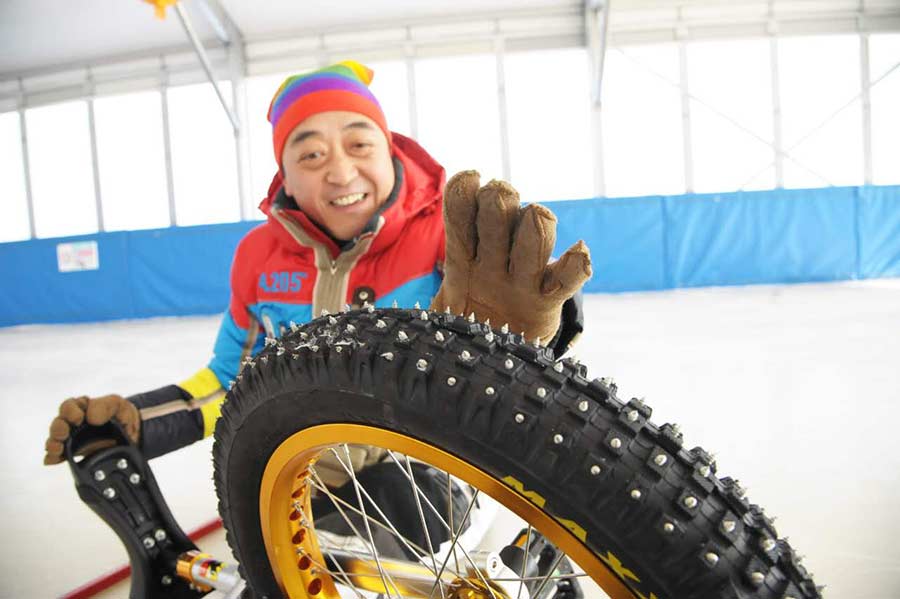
pixel 37 34
pixel 289 16
pixel 50 35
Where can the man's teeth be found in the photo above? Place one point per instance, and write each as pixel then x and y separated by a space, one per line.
pixel 348 200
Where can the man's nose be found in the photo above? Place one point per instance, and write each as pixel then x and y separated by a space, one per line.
pixel 342 169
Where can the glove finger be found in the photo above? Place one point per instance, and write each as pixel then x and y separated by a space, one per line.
pixel 533 242
pixel 72 410
pixel 101 409
pixel 130 418
pixel 498 211
pixel 568 274
pixel 54 452
pixel 459 215
pixel 59 429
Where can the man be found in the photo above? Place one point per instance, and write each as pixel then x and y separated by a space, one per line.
pixel 355 216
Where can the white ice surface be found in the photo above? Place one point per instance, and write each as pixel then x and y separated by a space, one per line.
pixel 796 388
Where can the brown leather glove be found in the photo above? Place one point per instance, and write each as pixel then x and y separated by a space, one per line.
pixel 97 411
pixel 497 259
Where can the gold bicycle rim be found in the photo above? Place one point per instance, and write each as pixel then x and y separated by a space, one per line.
pixel 294 555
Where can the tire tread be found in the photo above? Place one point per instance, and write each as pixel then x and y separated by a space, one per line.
pixel 376 360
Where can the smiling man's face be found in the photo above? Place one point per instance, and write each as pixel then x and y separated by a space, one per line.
pixel 338 168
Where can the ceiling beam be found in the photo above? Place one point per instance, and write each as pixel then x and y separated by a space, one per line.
pixel 220 21
pixel 204 62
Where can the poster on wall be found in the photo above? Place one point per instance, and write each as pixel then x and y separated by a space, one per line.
pixel 78 255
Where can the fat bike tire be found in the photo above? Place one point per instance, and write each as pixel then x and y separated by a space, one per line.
pixel 654 515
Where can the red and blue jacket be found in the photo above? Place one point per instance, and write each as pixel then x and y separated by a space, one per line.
pixel 288 270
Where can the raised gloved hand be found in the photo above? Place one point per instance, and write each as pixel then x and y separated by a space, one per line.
pixel 497 259
pixel 97 411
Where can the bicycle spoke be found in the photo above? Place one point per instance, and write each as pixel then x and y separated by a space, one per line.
pixel 415 491
pixel 455 538
pixel 450 530
pixel 546 579
pixel 410 545
pixel 315 474
pixel 388 527
pixel 403 539
pixel 366 521
pixel 355 531
pixel 530 578
pixel 524 562
pixel 430 505
pixel 342 575
pixel 450 513
pixel 455 530
pixel 362 557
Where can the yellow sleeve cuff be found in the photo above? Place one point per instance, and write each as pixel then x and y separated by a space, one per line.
pixel 202 384
pixel 207 393
pixel 211 412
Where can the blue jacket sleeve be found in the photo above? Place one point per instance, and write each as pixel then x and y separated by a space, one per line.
pixel 233 344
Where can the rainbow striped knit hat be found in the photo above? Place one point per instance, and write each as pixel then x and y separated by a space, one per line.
pixel 341 86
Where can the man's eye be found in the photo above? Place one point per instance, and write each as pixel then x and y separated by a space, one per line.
pixel 310 156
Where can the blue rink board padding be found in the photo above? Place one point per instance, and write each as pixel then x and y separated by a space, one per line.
pixel 637 244
pixel 879 232
pixel 626 238
pixel 760 237
pixel 183 270
pixel 161 272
